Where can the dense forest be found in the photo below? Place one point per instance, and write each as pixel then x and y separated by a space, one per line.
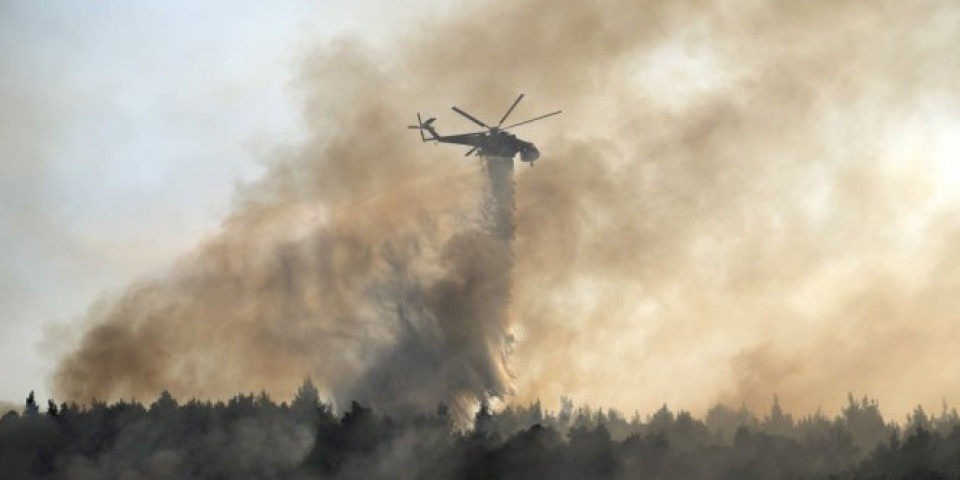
pixel 251 436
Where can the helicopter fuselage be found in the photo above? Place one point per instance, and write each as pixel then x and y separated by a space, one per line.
pixel 494 142
pixel 502 144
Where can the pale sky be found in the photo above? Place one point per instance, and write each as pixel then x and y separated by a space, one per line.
pixel 124 129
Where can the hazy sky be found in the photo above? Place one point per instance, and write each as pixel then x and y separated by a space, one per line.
pixel 125 127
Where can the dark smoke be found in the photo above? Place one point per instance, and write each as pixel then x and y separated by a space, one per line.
pixel 412 316
pixel 453 340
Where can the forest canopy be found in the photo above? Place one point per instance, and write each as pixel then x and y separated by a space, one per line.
pixel 252 436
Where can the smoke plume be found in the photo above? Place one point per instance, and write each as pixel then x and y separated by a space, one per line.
pixel 741 199
pixel 454 334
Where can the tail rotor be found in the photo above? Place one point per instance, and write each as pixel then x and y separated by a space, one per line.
pixel 425 125
pixel 419 126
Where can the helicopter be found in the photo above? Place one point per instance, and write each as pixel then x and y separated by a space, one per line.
pixel 496 141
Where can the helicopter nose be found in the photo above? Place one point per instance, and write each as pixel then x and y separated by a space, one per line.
pixel 530 154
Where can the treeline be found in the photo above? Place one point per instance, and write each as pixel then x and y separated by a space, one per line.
pixel 251 436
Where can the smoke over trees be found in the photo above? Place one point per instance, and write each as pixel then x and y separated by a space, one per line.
pixel 251 436
pixel 744 198
pixel 454 333
pixel 737 188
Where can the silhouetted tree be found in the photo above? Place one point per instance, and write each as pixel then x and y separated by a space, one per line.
pixel 31 407
pixel 307 399
pixel 947 421
pixel 777 422
pixel 918 419
pixel 483 419
pixel 864 422
pixel 165 404
pixel 724 421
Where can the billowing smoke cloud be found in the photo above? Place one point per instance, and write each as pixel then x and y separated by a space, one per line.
pixel 741 199
pixel 454 335
pixel 364 263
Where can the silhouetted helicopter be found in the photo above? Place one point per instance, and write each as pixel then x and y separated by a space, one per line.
pixel 495 142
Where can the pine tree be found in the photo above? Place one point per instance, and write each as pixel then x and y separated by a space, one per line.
pixel 307 400
pixel 31 407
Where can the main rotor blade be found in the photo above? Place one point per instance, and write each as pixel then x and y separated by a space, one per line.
pixel 510 110
pixel 541 117
pixel 470 151
pixel 472 119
